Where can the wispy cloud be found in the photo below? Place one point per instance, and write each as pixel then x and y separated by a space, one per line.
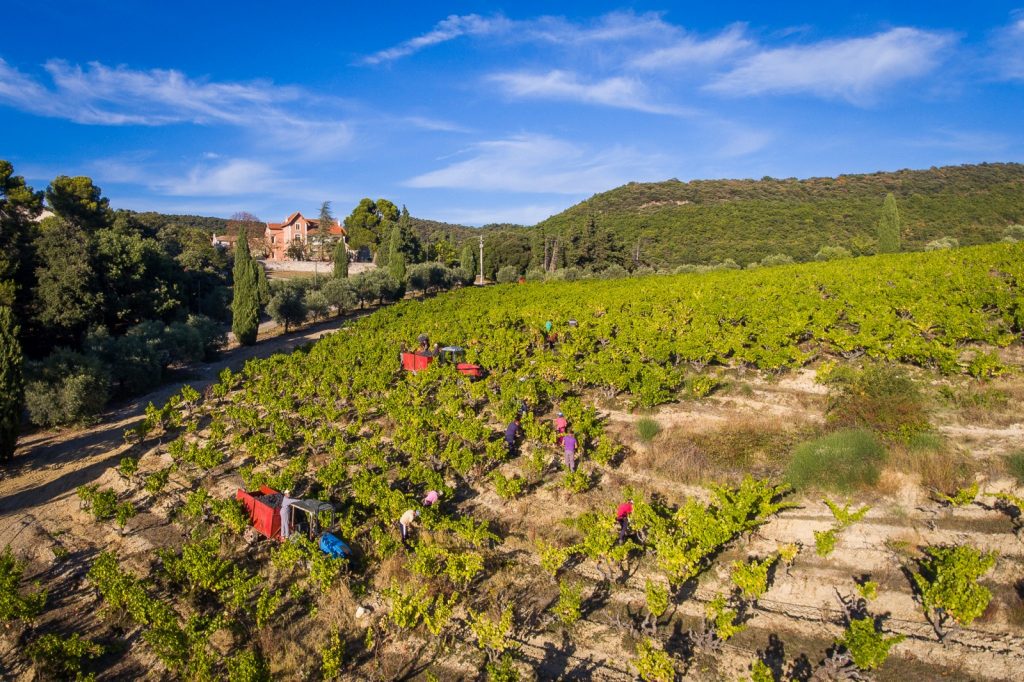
pixel 1008 49
pixel 854 69
pixel 541 164
pixel 101 95
pixel 690 50
pixel 619 91
pixel 528 214
pixel 448 29
pixel 612 27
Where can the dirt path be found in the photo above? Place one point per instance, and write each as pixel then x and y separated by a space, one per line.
pixel 52 463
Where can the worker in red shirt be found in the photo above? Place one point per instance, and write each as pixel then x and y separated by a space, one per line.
pixel 622 516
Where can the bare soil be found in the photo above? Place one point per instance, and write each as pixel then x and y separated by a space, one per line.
pixel 797 620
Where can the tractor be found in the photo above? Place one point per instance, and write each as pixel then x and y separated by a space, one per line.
pixel 311 518
pixel 420 359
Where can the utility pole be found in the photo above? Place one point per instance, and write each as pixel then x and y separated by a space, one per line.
pixel 480 277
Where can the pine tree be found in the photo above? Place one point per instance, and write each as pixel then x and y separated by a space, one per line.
pixel 12 384
pixel 245 307
pixel 340 259
pixel 889 226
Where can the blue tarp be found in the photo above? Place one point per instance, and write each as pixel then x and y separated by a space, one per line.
pixel 334 546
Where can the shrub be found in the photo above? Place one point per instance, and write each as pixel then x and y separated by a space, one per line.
pixel 879 397
pixel 507 488
pixel 65 388
pixel 701 386
pixel 647 429
pixel 751 577
pixel 831 253
pixel 1015 465
pixel 14 604
pixel 316 304
pixel 577 482
pixel 825 542
pixel 507 274
pixel 248 666
pixel 552 557
pixel 942 243
pixel 62 656
pixel 867 646
pixel 947 584
pixel 570 597
pixel 844 461
pixel 653 664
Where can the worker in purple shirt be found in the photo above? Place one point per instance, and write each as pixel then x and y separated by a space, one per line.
pixel 569 443
pixel 510 435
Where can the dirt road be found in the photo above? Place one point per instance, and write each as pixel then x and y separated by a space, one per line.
pixel 50 464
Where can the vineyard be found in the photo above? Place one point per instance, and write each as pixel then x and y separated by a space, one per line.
pixel 737 563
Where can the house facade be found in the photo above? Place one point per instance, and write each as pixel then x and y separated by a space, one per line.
pixel 297 227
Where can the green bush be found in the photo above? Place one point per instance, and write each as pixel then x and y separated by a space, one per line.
pixel 61 656
pixel 1015 465
pixel 13 603
pixel 65 388
pixel 647 429
pixel 845 460
pixel 867 646
pixel 879 397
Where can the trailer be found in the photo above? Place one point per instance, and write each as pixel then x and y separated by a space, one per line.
pixel 449 355
pixel 264 507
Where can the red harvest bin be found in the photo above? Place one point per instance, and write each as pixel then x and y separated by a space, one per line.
pixel 265 518
pixel 414 362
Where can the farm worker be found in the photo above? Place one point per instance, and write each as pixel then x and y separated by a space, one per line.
pixel 424 341
pixel 547 326
pixel 561 423
pixel 622 516
pixel 524 407
pixel 431 498
pixel 569 443
pixel 286 502
pixel 405 523
pixel 510 434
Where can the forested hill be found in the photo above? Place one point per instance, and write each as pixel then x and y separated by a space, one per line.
pixel 705 221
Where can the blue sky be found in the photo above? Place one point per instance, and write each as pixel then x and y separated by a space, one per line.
pixel 479 113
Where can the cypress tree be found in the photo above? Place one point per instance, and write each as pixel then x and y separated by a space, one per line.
pixel 262 284
pixel 340 259
pixel 889 226
pixel 396 259
pixel 467 260
pixel 245 307
pixel 12 384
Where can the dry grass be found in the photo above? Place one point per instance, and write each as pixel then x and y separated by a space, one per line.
pixel 934 461
pixel 996 403
pixel 755 446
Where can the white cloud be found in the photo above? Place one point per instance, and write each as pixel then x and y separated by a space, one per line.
pixel 689 50
pixel 622 92
pixel 101 95
pixel 854 69
pixel 613 27
pixel 540 164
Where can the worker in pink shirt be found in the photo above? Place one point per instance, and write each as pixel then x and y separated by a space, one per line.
pixel 561 425
pixel 431 498
pixel 622 516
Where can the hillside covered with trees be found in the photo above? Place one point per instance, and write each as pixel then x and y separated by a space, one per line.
pixel 664 225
